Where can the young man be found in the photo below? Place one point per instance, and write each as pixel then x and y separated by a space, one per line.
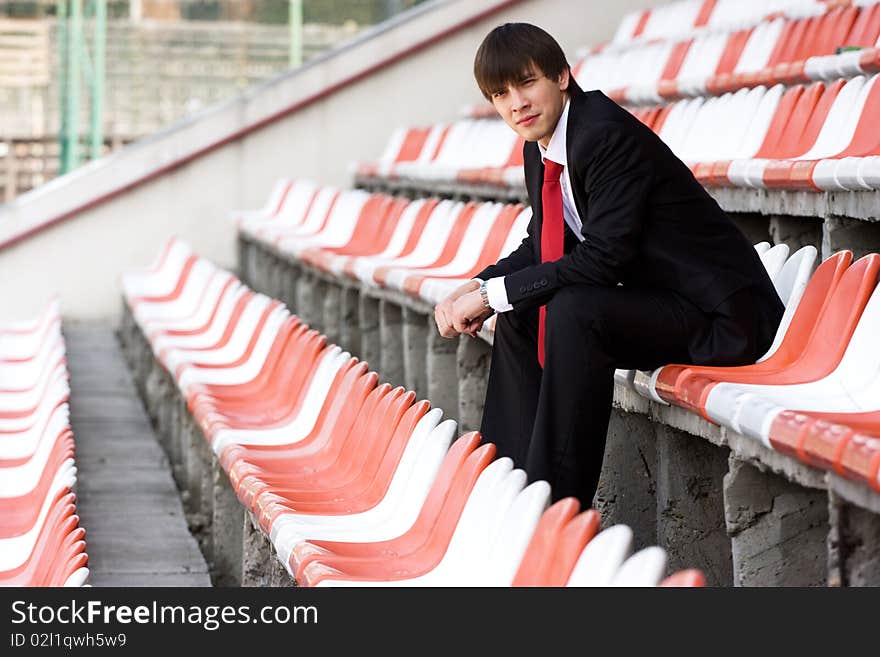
pixel 628 263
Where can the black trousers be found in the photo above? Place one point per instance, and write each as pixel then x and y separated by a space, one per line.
pixel 553 422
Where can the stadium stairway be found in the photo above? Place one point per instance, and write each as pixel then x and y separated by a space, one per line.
pixel 126 498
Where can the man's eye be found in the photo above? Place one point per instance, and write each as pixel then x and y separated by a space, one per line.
pixel 497 94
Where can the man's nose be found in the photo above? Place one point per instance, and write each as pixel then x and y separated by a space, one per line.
pixel 518 100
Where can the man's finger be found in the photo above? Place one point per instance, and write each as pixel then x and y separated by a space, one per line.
pixel 439 317
pixel 474 327
pixel 444 326
pixel 460 324
pixel 448 332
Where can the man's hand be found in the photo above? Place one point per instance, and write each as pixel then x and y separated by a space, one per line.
pixel 444 313
pixel 469 313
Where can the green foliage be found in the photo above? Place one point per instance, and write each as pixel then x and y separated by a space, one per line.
pixel 22 9
pixel 41 8
pixel 363 12
pixel 334 12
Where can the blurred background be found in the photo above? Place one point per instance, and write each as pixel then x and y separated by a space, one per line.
pixel 143 64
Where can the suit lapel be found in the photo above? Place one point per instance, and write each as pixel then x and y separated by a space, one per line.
pixel 577 115
pixel 534 174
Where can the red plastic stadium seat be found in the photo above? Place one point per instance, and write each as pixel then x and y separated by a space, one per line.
pixel 557 543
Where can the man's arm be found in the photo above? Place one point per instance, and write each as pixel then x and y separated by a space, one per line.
pixel 618 180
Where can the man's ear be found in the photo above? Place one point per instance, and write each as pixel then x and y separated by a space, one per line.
pixel 564 79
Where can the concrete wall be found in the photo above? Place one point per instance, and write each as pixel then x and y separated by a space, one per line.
pixel 80 258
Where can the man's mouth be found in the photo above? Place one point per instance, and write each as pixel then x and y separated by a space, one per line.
pixel 528 120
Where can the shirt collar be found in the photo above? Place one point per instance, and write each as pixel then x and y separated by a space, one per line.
pixel 556 149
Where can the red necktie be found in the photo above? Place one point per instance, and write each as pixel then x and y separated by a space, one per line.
pixel 552 223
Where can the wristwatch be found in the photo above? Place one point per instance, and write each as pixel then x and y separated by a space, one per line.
pixel 484 294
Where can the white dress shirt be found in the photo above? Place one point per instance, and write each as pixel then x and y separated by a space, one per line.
pixel 556 152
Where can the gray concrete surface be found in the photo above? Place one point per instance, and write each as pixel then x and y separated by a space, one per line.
pixel 136 534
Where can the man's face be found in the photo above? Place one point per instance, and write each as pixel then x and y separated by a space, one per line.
pixel 532 105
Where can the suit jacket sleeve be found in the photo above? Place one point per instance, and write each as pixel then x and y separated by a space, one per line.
pixel 617 183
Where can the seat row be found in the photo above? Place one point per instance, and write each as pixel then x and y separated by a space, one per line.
pixel 811 301
pixel 355 482
pixel 688 17
pixel 814 394
pixel 467 150
pixel 421 247
pixel 816 137
pixel 789 273
pixel 841 42
pixel 41 542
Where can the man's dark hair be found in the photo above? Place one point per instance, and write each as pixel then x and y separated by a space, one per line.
pixel 512 49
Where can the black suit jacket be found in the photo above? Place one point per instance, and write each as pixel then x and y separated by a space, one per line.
pixel 646 221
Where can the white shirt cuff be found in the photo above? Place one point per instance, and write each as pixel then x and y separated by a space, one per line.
pixel 497 294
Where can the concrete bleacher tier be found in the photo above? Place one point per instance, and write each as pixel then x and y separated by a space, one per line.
pixel 821 361
pixel 303 249
pixel 41 542
pixel 773 108
pixel 353 481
